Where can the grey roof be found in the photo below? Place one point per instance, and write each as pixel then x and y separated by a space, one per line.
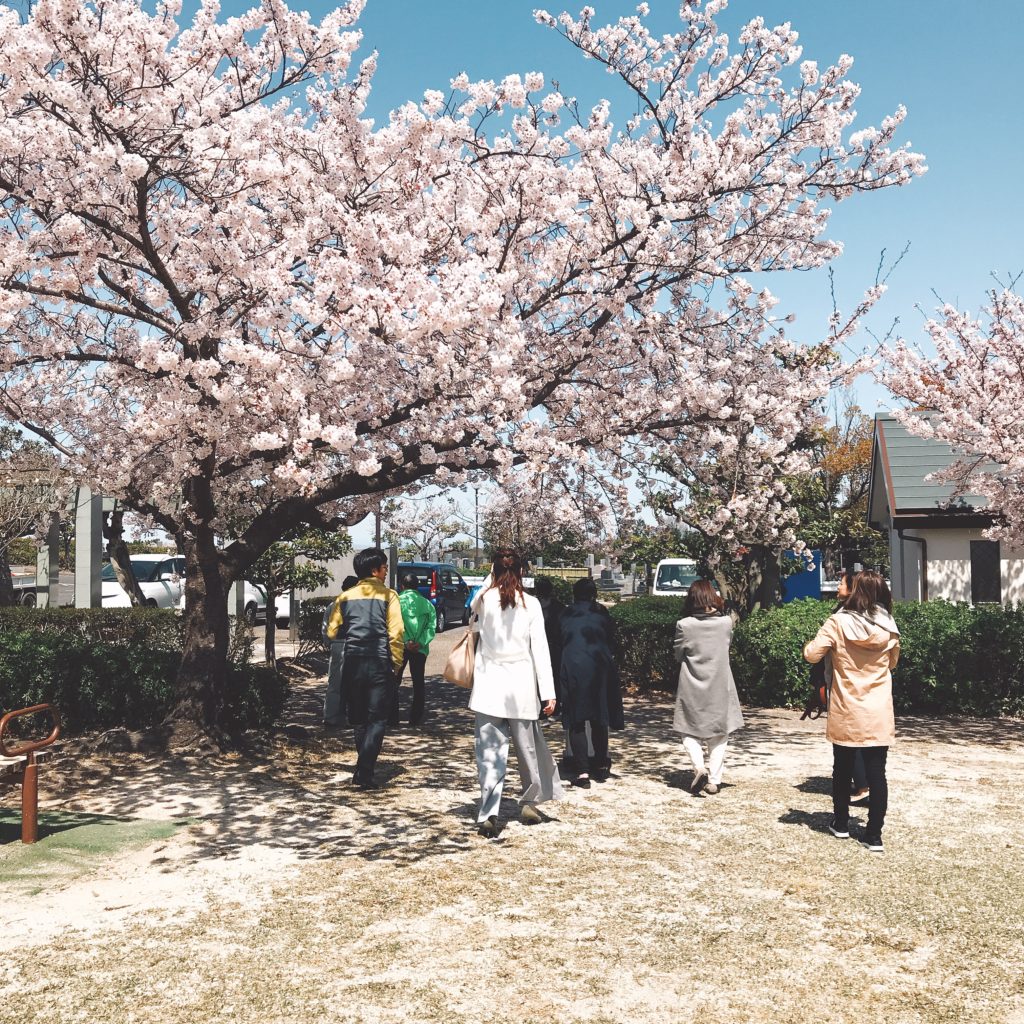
pixel 904 460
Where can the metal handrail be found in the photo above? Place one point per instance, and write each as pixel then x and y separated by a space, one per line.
pixel 30 745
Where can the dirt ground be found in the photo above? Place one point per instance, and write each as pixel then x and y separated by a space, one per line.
pixel 265 889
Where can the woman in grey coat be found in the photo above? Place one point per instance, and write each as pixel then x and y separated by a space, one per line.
pixel 707 706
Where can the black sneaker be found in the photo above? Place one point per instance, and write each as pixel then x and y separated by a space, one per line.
pixel 873 844
pixel 581 782
pixel 839 831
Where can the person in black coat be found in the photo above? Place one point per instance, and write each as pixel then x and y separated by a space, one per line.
pixel 544 591
pixel 589 689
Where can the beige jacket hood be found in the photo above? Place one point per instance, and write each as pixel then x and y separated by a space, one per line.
pixel 864 649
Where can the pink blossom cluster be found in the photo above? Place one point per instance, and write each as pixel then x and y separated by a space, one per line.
pixel 217 275
pixel 970 395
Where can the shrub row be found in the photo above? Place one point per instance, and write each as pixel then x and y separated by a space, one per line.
pixel 114 667
pixel 955 658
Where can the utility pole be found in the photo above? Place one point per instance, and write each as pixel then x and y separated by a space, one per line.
pixel 476 525
pixel 376 524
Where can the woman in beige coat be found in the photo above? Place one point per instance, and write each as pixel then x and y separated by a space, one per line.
pixel 864 643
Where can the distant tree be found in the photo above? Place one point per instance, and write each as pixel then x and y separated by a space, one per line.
pixel 32 488
pixel 422 529
pixel 831 499
pixel 297 562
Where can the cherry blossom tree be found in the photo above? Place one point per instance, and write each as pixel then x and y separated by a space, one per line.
pixel 970 394
pixel 32 488
pixel 425 526
pixel 217 274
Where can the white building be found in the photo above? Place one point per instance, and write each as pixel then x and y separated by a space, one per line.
pixel 937 545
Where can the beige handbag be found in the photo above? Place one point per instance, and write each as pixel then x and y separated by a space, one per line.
pixel 458 668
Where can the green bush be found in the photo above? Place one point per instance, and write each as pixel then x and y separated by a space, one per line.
pixel 646 628
pixel 113 667
pixel 767 653
pixel 954 658
pixel 311 617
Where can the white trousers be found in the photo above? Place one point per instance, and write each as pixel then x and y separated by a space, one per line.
pixel 717 746
pixel 536 765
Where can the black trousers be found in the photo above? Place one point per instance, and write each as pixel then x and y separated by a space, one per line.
pixel 581 763
pixel 860 776
pixel 369 685
pixel 417 669
pixel 874 770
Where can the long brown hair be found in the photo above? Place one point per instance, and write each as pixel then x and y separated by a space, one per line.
pixel 507 573
pixel 702 595
pixel 869 589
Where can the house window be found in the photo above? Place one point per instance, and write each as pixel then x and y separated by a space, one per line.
pixel 985 573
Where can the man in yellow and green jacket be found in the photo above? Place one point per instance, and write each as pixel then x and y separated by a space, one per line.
pixel 419 617
pixel 367 650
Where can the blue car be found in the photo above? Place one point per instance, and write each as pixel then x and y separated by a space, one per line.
pixel 441 584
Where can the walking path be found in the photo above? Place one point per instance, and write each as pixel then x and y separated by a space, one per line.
pixel 269 890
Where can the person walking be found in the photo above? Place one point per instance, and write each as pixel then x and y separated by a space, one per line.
pixel 864 643
pixel 707 705
pixel 419 618
pixel 859 788
pixel 589 691
pixel 334 700
pixel 512 684
pixel 366 626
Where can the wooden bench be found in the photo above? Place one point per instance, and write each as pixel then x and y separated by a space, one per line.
pixel 19 765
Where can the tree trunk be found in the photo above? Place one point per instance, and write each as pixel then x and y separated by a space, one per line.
pixel 196 717
pixel 8 598
pixel 270 633
pixel 764 579
pixel 120 557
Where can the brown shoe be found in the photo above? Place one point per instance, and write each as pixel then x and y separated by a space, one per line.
pixel 711 789
pixel 529 815
pixel 700 781
pixel 489 828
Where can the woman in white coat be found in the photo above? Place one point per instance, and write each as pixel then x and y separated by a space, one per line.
pixel 512 684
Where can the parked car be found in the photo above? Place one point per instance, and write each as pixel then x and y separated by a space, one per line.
pixel 673 577
pixel 161 579
pixel 254 604
pixel 441 584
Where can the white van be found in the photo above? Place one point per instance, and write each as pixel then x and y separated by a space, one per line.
pixel 673 577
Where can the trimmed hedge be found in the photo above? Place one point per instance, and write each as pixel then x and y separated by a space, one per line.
pixel 646 628
pixel 954 659
pixel 114 667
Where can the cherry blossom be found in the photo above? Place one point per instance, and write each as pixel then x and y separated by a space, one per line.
pixel 970 395
pixel 217 275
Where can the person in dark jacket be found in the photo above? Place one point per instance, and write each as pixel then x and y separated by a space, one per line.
pixel 589 689
pixel 366 631
pixel 334 701
pixel 544 591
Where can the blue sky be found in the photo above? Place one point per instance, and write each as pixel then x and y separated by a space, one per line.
pixel 955 65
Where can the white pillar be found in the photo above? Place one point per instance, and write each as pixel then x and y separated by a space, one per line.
pixel 88 549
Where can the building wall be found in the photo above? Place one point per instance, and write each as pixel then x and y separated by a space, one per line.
pixel 949 566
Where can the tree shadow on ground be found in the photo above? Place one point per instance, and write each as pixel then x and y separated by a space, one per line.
pixel 294 792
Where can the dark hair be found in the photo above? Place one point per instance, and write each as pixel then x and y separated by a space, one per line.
pixel 849 575
pixel 543 587
pixel 584 589
pixel 409 582
pixel 349 581
pixel 869 589
pixel 368 561
pixel 702 595
pixel 507 573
